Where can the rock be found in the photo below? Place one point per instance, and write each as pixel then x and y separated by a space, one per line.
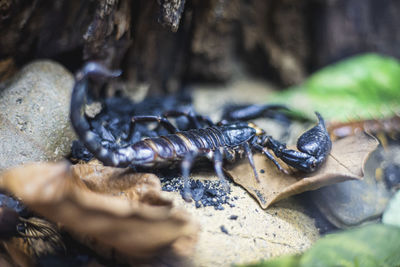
pixel 352 203
pixel 391 166
pixel 392 212
pixel 34 115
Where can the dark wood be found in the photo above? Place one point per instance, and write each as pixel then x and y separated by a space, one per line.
pixel 167 44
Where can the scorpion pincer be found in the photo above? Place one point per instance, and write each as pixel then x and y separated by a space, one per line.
pixel 217 142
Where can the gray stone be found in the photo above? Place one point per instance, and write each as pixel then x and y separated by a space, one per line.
pixel 390 166
pixel 353 203
pixel 34 121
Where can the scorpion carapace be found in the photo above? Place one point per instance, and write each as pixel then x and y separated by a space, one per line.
pixel 220 142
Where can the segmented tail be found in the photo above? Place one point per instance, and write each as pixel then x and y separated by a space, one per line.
pixel 77 114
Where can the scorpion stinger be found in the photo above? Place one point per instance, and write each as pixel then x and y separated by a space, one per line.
pixel 249 112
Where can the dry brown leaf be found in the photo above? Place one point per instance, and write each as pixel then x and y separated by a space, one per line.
pixel 16 253
pixel 5 261
pixel 345 162
pixel 143 187
pixel 112 225
pixel 26 239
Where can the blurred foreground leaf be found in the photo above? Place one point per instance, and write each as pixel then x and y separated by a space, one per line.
pixel 345 162
pixel 392 213
pixel 122 216
pixel 358 88
pixel 368 246
pixel 124 182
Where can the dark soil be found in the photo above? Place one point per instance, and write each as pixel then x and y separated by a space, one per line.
pixel 204 193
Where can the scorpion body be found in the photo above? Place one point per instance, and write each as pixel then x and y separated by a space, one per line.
pixel 161 151
pixel 222 142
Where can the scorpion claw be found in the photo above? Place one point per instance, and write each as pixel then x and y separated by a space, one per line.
pixel 314 146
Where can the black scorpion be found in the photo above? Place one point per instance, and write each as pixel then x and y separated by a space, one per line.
pixel 217 142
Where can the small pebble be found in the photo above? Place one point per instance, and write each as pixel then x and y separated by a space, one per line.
pixel 233 217
pixel 204 193
pixel 360 201
pixel 211 192
pixel 224 230
pixel 197 194
pixel 219 207
pixel 169 188
pixel 392 176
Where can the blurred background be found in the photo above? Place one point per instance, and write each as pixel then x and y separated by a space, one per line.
pixel 167 44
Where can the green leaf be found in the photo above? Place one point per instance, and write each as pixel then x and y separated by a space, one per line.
pixel 392 214
pixel 285 261
pixel 361 87
pixel 371 245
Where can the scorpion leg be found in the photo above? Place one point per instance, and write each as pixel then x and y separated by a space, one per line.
pixel 205 119
pixel 186 165
pixel 217 158
pixel 249 155
pixel 248 112
pixel 194 119
pixel 265 151
pixel 314 147
pixel 160 120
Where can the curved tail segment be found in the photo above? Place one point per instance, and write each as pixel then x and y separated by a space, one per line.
pixel 80 123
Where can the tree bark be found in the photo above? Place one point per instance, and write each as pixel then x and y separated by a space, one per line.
pixel 167 44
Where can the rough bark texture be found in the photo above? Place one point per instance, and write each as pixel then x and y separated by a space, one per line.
pixel 276 32
pixel 167 43
pixel 341 28
pixel 156 56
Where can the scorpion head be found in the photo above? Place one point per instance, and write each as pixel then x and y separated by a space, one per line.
pixel 239 132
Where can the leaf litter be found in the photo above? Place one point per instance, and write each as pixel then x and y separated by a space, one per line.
pixel 125 218
pixel 345 162
pixel 124 215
